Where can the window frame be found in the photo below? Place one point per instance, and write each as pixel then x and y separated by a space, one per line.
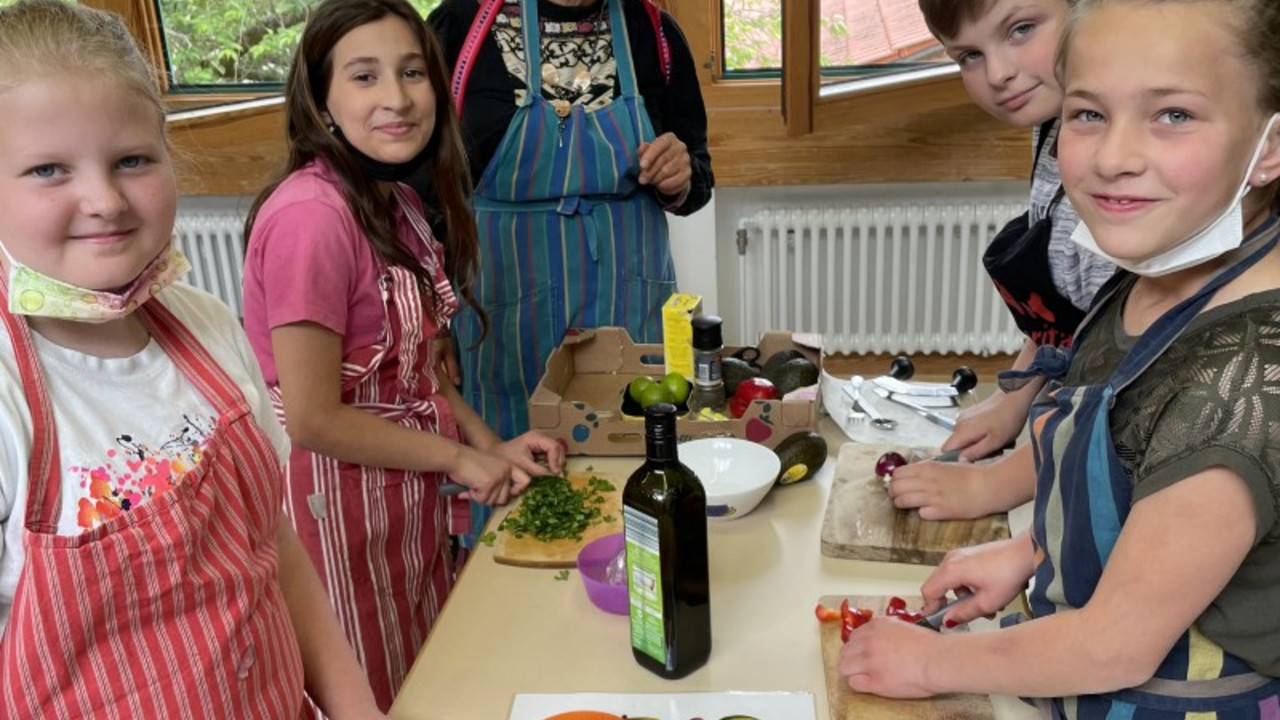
pixel 910 128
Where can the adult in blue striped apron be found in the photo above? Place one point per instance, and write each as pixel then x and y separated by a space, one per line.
pixel 573 232
pixel 1083 497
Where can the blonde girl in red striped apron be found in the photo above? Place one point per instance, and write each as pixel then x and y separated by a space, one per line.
pixel 199 614
pixel 139 580
pixel 347 291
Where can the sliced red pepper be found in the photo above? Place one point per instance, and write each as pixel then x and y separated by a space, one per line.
pixel 898 608
pixel 851 619
pixel 826 614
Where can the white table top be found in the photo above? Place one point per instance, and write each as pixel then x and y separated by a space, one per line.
pixel 508 630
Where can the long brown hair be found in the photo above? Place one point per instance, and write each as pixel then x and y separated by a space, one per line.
pixel 306 93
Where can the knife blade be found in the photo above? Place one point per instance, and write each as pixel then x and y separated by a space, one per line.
pixel 926 413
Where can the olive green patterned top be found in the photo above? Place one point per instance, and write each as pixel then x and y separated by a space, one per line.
pixel 1212 399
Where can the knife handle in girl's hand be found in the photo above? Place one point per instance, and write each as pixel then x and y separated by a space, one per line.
pixel 449 489
pixel 933 620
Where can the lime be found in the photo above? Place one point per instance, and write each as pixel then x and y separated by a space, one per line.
pixel 677 385
pixel 638 386
pixel 655 393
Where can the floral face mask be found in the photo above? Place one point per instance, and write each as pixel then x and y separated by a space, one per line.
pixel 34 293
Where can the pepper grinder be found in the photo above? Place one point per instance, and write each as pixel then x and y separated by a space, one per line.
pixel 708 382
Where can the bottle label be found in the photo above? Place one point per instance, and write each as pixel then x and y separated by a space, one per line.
pixel 707 368
pixel 644 584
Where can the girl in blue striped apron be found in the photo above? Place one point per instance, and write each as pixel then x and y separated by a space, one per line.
pixel 1153 558
pixel 585 125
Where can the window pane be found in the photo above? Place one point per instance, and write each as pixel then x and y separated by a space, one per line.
pixel 867 36
pixel 235 42
pixel 752 39
pixel 857 37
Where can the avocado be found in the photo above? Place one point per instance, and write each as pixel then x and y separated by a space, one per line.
pixel 734 370
pixel 802 455
pixel 797 373
pixel 777 360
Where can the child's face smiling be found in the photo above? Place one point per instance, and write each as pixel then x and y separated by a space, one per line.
pixel 1007 59
pixel 1161 118
pixel 87 192
pixel 380 95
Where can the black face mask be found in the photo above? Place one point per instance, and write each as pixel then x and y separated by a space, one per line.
pixel 387 172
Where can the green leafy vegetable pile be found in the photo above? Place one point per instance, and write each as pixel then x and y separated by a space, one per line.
pixel 554 510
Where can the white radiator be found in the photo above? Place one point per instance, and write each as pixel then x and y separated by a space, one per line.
pixel 214 243
pixel 895 278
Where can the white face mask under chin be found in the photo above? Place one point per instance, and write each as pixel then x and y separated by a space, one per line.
pixel 1224 234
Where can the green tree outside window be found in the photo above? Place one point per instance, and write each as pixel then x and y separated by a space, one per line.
pixel 235 42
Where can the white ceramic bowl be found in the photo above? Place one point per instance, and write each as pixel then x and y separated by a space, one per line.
pixel 736 473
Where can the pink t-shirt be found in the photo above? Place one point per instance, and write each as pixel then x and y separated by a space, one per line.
pixel 308 261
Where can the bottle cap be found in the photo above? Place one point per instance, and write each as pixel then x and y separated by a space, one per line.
pixel 706 333
pixel 660 421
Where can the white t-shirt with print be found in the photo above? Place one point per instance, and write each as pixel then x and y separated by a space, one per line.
pixel 127 427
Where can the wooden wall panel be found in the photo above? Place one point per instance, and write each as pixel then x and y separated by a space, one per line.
pixel 238 154
pixel 229 153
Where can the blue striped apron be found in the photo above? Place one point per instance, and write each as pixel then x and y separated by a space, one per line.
pixel 568 238
pixel 1083 496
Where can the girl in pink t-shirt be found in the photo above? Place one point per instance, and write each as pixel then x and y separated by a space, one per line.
pixel 348 297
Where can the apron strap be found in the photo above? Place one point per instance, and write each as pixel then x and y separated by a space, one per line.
pixel 1049 362
pixel 532 34
pixel 621 39
pixel 191 358
pixel 44 472
pixel 480 27
pixel 654 13
pixel 446 300
pixel 1171 324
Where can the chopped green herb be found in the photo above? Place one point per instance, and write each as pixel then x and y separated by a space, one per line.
pixel 562 575
pixel 609 518
pixel 488 538
pixel 553 509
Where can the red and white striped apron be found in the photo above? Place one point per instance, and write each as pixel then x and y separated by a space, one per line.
pixel 380 536
pixel 171 610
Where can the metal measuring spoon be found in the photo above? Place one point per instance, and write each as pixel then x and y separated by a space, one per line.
pixel 877 420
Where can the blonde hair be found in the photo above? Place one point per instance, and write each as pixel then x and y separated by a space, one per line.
pixel 43 38
pixel 1255 25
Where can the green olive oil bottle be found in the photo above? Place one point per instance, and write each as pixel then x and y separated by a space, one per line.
pixel 665 519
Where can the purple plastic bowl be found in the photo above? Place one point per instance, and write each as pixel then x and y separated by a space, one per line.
pixel 592 561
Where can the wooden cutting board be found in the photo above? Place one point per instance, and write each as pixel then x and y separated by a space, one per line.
pixel 845 704
pixel 861 522
pixel 528 551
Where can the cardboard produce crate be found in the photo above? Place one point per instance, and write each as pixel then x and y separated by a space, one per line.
pixel 579 398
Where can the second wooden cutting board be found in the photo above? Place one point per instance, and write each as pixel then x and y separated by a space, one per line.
pixel 528 551
pixel 845 704
pixel 861 522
